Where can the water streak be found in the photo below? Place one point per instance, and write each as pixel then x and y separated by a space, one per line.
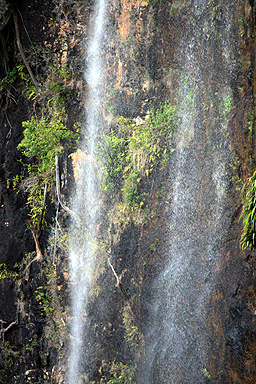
pixel 86 200
pixel 198 218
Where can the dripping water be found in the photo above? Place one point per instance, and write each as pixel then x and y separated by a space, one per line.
pixel 86 200
pixel 198 218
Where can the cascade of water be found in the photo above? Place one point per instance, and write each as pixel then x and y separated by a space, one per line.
pixel 175 340
pixel 86 201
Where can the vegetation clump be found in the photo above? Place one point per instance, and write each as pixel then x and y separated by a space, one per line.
pixel 249 215
pixel 117 373
pixel 41 142
pixel 5 273
pixel 133 152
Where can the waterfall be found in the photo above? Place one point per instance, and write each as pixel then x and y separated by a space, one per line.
pixel 198 217
pixel 86 200
pixel 195 211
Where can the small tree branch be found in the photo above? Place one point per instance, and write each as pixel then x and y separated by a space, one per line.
pixel 24 26
pixel 15 17
pixel 123 296
pixel 55 234
pixel 6 59
pixel 10 131
pixel 4 330
pixel 39 255
pixel 36 232
pixel 43 208
pixel 5 22
pixel 114 272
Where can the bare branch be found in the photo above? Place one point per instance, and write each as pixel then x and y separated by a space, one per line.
pixel 114 272
pixel 43 208
pixel 55 234
pixel 5 22
pixel 6 64
pixel 4 330
pixel 15 17
pixel 39 255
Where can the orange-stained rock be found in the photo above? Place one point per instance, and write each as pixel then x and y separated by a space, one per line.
pixel 78 158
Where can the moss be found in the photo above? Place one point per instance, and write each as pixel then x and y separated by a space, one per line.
pixel 132 154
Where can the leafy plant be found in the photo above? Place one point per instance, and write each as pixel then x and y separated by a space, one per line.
pixel 44 299
pixel 9 79
pixel 56 91
pixel 206 374
pixel 114 150
pixel 118 373
pixel 8 274
pixel 42 141
pixel 8 357
pixel 30 346
pixel 132 334
pixel 135 150
pixel 249 215
pixel 226 106
pixel 250 125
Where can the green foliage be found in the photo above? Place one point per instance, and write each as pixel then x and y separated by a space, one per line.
pixel 35 201
pixel 130 189
pixel 249 215
pixel 122 374
pixel 42 140
pixel 206 374
pixel 30 346
pixel 51 309
pixel 149 142
pixel 132 334
pixel 44 299
pixel 114 150
pixel 133 152
pixel 9 79
pixel 7 274
pixel 250 125
pixel 45 134
pixel 118 373
pixel 8 357
pixel 24 77
pixel 226 106
pixel 56 90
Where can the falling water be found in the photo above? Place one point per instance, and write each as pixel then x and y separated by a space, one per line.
pixel 86 201
pixel 198 215
pixel 197 210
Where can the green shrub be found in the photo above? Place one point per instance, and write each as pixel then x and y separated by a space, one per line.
pixel 135 150
pixel 8 274
pixel 43 298
pixel 42 141
pixel 249 215
pixel 118 373
pixel 250 125
pixel 113 149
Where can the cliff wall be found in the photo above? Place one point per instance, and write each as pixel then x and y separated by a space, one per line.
pixel 200 57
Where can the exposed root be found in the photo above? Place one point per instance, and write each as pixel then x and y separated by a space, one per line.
pixel 4 330
pixel 27 270
pixel 15 17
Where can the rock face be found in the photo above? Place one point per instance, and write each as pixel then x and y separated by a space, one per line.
pixel 194 54
pixel 184 308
